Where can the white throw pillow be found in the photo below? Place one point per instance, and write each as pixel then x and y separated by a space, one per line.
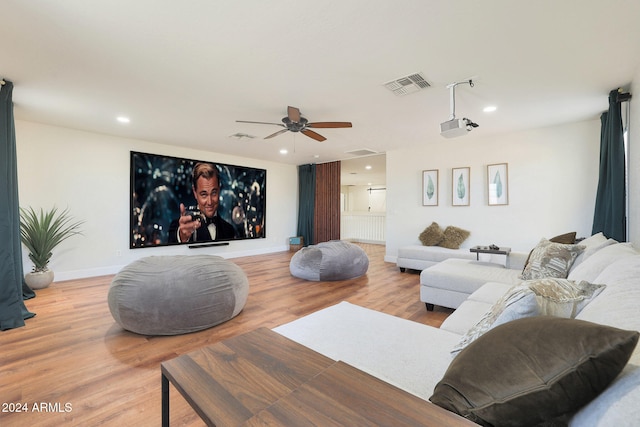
pixel 592 245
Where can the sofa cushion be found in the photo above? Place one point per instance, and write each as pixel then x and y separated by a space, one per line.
pixel 490 292
pixel 617 305
pixel 550 259
pixel 432 235
pixel 453 237
pixel 465 316
pixel 596 263
pixel 548 297
pixel 533 370
pixel 466 276
pixel 591 245
pixel 616 406
pixel 433 253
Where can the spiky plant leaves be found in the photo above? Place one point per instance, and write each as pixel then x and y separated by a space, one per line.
pixel 42 231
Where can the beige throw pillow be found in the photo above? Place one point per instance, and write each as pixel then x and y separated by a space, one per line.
pixel 432 235
pixel 453 237
pixel 542 297
pixel 550 259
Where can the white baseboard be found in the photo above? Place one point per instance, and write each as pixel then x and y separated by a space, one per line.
pixel 113 269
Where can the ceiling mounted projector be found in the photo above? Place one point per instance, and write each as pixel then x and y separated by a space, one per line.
pixel 456 127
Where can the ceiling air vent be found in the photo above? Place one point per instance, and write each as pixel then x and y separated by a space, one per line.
pixel 408 84
pixel 240 135
pixel 362 152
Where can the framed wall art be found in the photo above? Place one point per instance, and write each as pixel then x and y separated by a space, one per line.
pixel 498 184
pixel 460 186
pixel 430 187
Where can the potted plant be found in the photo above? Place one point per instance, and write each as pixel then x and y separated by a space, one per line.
pixel 41 232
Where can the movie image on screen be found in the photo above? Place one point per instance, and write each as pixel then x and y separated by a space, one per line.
pixel 224 203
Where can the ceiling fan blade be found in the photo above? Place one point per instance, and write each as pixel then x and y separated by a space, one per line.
pixel 329 125
pixel 294 114
pixel 314 135
pixel 276 134
pixel 260 123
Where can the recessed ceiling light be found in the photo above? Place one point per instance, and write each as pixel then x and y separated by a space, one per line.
pixel 316 156
pixel 490 109
pixel 123 119
pixel 284 151
pixel 368 167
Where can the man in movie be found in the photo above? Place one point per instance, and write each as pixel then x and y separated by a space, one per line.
pixel 206 225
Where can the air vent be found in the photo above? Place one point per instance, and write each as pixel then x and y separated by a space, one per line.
pixel 362 152
pixel 408 84
pixel 241 135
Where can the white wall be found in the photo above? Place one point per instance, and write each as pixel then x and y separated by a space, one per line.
pixel 633 191
pixel 89 173
pixel 553 175
pixel 358 198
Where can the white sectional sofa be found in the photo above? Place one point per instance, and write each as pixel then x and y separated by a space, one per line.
pixel 416 357
pixel 420 257
pixel 451 281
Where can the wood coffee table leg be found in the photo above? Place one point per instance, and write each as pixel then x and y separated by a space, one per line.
pixel 165 401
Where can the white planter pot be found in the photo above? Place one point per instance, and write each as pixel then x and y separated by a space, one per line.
pixel 39 279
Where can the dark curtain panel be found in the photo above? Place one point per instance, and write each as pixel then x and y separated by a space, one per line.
pixel 12 286
pixel 327 210
pixel 609 216
pixel 306 201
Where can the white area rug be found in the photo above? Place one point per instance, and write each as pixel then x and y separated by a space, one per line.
pixel 407 354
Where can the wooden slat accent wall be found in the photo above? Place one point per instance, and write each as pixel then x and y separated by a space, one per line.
pixel 327 209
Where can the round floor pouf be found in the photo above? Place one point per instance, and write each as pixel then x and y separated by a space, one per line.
pixel 334 260
pixel 171 295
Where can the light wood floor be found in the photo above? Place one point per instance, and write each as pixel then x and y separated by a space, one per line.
pixel 87 371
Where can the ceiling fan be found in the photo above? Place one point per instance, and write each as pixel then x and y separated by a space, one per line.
pixel 294 122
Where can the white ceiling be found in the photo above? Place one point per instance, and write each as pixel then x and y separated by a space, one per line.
pixel 185 71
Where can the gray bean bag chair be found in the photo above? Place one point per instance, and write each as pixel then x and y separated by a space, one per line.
pixel 334 260
pixel 171 295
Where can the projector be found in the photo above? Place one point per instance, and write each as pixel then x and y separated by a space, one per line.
pixel 456 127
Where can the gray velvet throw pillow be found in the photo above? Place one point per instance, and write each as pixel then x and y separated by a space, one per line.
pixel 533 370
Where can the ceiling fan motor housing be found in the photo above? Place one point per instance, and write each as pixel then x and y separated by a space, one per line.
pixel 295 126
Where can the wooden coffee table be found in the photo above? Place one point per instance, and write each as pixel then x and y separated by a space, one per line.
pixel 263 378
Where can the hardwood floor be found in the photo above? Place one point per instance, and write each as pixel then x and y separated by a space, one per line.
pixel 73 365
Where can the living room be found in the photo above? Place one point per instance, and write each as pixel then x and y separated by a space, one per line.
pixel 71 159
pixel 89 172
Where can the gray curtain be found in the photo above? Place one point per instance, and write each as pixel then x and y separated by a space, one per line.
pixel 12 286
pixel 609 215
pixel 306 201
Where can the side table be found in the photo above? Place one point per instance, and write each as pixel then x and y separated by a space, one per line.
pixel 493 251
